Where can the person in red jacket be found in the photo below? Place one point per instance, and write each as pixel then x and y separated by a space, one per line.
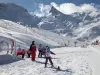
pixel 33 50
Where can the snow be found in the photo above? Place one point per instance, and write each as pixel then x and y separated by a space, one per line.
pixel 72 60
pixel 80 61
pixel 82 30
pixel 94 61
pixel 24 35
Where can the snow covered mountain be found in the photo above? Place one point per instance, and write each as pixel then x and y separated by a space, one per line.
pixel 24 35
pixel 79 22
pixel 17 13
pixel 82 24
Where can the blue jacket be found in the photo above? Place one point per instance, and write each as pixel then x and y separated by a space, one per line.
pixel 48 48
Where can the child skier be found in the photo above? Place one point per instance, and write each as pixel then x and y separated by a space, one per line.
pixel 48 57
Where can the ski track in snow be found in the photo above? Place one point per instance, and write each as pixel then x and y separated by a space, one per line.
pixel 73 60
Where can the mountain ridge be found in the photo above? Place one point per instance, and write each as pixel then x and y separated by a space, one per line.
pixel 72 25
pixel 69 24
pixel 16 13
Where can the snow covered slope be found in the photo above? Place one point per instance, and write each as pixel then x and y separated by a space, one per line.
pixel 24 35
pixel 72 61
pixel 90 30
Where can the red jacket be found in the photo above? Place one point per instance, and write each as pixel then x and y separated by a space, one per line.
pixel 33 50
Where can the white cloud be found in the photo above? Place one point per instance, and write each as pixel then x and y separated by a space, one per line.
pixel 87 7
pixel 43 10
pixel 66 8
pixel 69 8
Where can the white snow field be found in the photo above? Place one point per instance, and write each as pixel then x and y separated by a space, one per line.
pixel 72 61
pixel 25 35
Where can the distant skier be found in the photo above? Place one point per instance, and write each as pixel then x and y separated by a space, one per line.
pixel 97 42
pixel 33 50
pixel 48 57
pixel 40 51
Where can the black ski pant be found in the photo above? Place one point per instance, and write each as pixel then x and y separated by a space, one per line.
pixel 23 55
pixel 40 54
pixel 48 58
pixel 28 55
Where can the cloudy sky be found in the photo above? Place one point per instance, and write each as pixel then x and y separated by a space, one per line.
pixel 32 5
pixel 42 7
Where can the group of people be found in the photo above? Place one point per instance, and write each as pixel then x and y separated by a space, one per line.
pixel 46 52
pixel 21 52
pixel 42 51
pixel 96 42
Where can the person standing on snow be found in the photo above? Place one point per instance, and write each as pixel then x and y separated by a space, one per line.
pixel 48 57
pixel 40 51
pixel 33 50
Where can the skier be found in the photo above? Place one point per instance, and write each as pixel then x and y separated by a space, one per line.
pixel 40 51
pixel 48 57
pixel 97 42
pixel 33 50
